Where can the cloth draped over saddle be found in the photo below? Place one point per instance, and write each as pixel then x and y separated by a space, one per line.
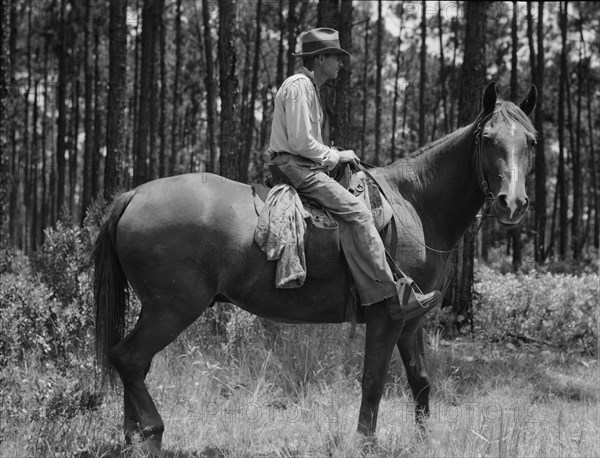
pixel 280 235
pixel 304 238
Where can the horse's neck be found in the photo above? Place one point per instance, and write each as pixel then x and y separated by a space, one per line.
pixel 443 187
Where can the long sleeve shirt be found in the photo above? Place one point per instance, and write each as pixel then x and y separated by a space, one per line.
pixel 297 118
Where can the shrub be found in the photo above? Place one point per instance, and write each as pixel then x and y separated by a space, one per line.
pixel 555 309
pixel 62 259
pixel 34 322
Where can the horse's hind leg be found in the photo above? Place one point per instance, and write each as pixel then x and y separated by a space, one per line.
pixel 412 352
pixel 156 328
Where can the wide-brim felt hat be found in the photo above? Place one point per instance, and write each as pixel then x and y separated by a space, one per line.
pixel 320 41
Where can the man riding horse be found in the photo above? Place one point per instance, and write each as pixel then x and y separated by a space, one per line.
pixel 297 149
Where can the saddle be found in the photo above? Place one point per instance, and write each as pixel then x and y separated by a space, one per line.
pixel 321 238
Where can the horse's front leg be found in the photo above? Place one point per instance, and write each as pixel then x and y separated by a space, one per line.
pixel 412 352
pixel 382 334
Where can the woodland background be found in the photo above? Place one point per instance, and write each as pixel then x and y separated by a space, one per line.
pixel 98 96
pixel 101 96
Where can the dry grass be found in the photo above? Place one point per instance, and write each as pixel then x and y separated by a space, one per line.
pixel 297 393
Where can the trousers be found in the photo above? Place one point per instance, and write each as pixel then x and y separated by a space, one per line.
pixel 361 243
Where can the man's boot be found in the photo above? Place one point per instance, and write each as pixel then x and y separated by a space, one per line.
pixel 408 304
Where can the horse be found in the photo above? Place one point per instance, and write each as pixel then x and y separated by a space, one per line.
pixel 183 242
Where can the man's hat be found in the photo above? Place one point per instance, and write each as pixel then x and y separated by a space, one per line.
pixel 320 41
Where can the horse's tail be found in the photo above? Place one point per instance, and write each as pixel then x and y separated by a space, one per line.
pixel 110 286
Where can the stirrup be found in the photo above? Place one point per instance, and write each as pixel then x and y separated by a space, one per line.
pixel 409 304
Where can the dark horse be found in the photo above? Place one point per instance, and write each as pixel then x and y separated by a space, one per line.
pixel 186 241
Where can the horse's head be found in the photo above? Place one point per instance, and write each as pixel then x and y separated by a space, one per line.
pixel 505 140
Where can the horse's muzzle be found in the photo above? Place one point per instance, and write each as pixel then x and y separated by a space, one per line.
pixel 510 211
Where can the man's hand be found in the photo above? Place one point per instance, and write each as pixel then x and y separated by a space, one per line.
pixel 349 156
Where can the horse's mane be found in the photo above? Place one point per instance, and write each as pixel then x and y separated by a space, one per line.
pixel 504 111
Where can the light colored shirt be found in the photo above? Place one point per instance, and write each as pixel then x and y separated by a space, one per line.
pixel 297 119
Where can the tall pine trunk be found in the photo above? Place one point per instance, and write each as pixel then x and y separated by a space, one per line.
pixel 61 123
pixel 211 118
pixel 561 174
pixel 176 95
pixel 422 74
pixel 250 127
pixel 88 122
pixel 365 89
pixel 142 159
pixel 228 91
pixel 472 73
pixel 378 80
pixel 6 95
pixel 342 128
pixel 396 88
pixel 117 98
pixel 537 69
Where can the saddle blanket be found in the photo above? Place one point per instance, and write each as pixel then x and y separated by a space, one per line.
pixel 302 238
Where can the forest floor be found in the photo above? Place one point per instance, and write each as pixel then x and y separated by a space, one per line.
pixel 294 399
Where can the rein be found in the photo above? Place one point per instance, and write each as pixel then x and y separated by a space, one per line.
pixel 481 181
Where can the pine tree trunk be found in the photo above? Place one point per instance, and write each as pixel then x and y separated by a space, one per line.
pixel 250 127
pixel 61 126
pixel 74 130
pixel 280 46
pixel 142 159
pixel 117 99
pixel 396 89
pixel 540 158
pixel 472 74
pixel 25 168
pixel 154 165
pixel 211 118
pixel 88 122
pixel 363 133
pixel 96 156
pixel 228 91
pixel 291 30
pixel 422 74
pixel 176 94
pixel 33 179
pixel 577 225
pixel 162 120
pixel 378 78
pixel 45 205
pixel 561 176
pixel 341 127
pixel 6 95
pixel 443 70
pixel 11 172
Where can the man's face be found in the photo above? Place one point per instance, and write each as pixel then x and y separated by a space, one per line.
pixel 330 65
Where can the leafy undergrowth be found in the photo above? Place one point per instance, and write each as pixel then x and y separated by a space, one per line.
pixel 298 394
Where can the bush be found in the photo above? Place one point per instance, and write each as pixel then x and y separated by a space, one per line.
pixel 32 321
pixel 542 307
pixel 62 259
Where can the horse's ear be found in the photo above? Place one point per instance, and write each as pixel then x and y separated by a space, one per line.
pixel 528 103
pixel 489 98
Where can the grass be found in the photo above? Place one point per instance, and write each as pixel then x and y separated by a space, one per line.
pixel 294 391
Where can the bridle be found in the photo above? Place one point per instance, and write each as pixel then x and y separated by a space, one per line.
pixel 490 197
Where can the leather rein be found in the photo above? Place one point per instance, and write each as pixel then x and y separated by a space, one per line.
pixel 490 197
